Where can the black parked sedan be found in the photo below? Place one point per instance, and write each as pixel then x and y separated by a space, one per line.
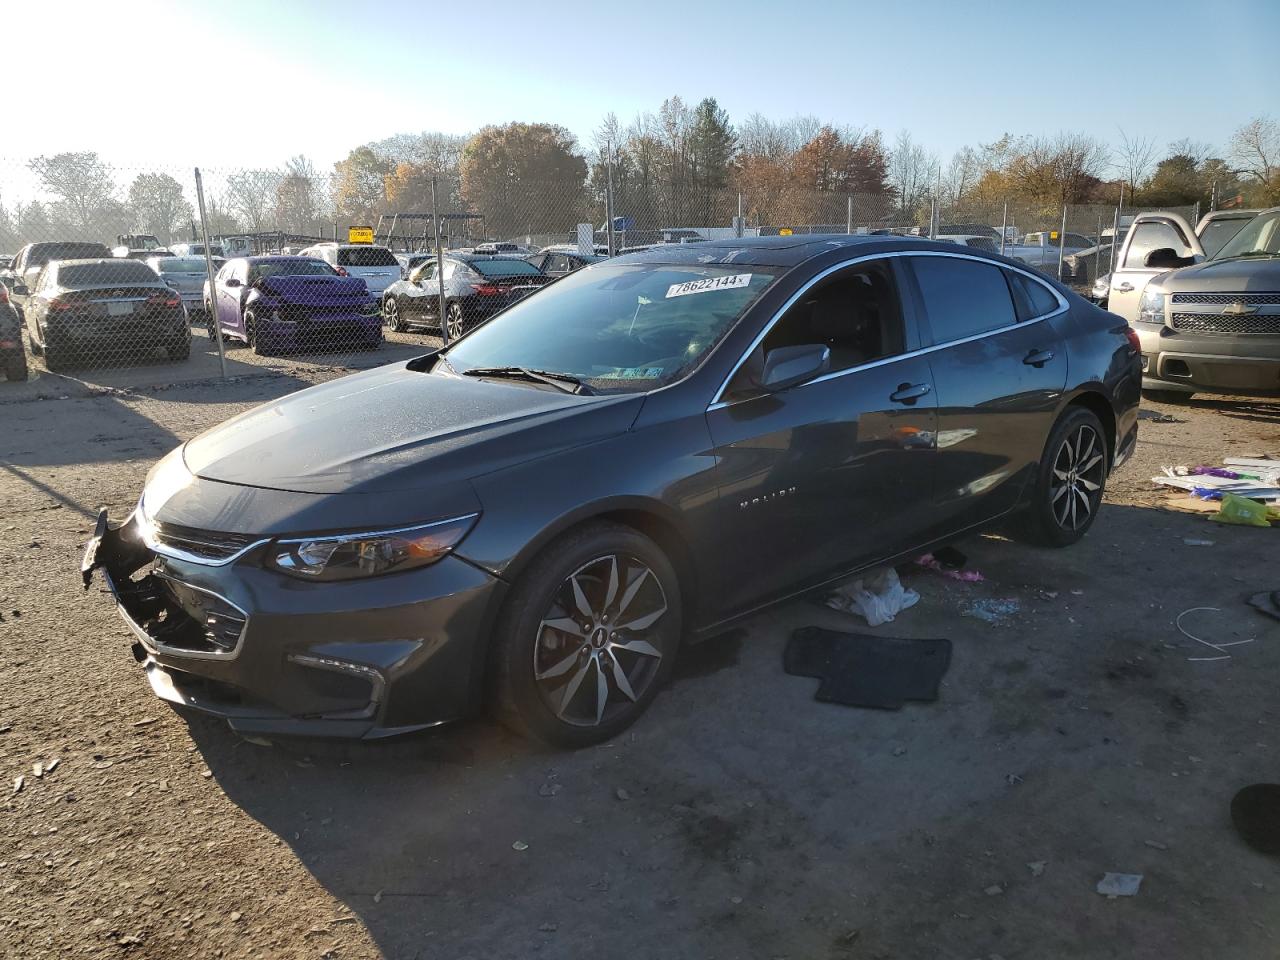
pixel 475 288
pixel 81 311
pixel 642 452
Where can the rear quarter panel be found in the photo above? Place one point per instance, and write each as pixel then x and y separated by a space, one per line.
pixel 1101 361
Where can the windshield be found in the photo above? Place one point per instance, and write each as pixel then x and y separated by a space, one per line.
pixel 300 267
pixel 366 257
pixel 504 268
pixel 112 271
pixel 180 265
pixel 1259 238
pixel 43 253
pixel 621 328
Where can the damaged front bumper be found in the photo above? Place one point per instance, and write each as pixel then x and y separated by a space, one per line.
pixel 274 656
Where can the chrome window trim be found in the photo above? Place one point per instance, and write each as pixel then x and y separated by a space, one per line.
pixel 718 402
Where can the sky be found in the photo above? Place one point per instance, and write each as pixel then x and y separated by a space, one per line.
pixel 322 77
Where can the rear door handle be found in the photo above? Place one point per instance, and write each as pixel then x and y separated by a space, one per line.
pixel 1125 287
pixel 1038 358
pixel 909 393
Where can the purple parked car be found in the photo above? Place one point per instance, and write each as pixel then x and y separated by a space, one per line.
pixel 276 304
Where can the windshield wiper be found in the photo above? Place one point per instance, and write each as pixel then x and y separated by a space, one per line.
pixel 561 381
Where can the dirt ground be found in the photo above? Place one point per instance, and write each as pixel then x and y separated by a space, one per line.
pixel 739 819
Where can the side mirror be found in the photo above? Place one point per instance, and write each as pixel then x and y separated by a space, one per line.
pixel 787 366
pixel 1166 258
pixel 20 289
pixel 232 282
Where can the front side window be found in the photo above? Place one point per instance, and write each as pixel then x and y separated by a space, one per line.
pixel 855 313
pixel 620 328
pixel 962 298
pixel 1216 233
pixel 426 271
pixel 1153 235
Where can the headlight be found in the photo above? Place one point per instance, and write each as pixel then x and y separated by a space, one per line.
pixel 1151 308
pixel 353 555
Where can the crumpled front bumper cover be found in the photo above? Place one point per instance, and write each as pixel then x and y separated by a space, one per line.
pixel 274 656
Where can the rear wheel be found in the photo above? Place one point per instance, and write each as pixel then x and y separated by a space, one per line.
pixel 251 333
pixel 56 355
pixel 179 347
pixel 454 320
pixel 1069 483
pixel 588 636
pixel 391 315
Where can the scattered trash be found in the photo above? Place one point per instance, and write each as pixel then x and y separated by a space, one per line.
pixel 343 920
pixel 549 789
pixel 1243 512
pixel 1268 602
pixel 146 722
pixel 859 670
pixel 1156 417
pixel 1120 884
pixel 520 845
pixel 235 916
pixel 1156 845
pixel 377 897
pixel 18 783
pixel 878 598
pixel 994 890
pixel 992 611
pixel 949 562
pixel 1255 479
pixel 1012 779
pixel 1255 813
pixel 1193 542
pixel 37 770
pixel 52 765
pixel 1037 867
pixel 622 794
pixel 1220 647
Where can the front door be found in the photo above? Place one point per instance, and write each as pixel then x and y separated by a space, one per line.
pixel 1148 232
pixel 999 368
pixel 834 472
pixel 228 288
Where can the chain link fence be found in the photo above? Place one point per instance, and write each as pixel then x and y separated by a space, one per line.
pixel 123 277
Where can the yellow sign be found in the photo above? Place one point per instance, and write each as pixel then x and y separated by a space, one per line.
pixel 784 232
pixel 359 234
pixel 1053 234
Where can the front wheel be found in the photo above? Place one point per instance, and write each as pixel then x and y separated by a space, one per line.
pixel 587 637
pixel 1070 481
pixel 391 315
pixel 455 321
pixel 15 367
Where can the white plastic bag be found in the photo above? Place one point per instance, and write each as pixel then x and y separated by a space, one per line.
pixel 878 598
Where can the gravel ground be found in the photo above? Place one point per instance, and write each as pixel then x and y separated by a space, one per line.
pixel 740 818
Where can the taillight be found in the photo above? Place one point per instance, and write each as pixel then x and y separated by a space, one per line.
pixel 4 293
pixel 58 304
pixel 164 299
pixel 342 272
pixel 487 289
pixel 1134 342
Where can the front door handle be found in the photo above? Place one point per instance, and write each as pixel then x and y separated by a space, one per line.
pixel 1125 287
pixel 909 393
pixel 1038 358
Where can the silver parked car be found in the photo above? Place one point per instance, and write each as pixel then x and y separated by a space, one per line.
pixel 187 276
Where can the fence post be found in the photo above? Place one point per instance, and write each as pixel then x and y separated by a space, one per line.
pixel 1062 241
pixel 739 224
pixel 608 196
pixel 214 325
pixel 848 216
pixel 1115 230
pixel 1097 252
pixel 1004 226
pixel 441 299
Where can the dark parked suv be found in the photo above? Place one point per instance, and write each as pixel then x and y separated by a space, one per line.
pixel 81 311
pixel 650 448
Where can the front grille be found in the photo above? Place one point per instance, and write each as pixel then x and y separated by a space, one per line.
pixel 1256 324
pixel 207 545
pixel 1249 299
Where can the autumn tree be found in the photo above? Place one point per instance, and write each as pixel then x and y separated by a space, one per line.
pixel 359 185
pixel 524 178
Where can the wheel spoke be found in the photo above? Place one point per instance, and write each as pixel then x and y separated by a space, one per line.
pixel 644 622
pixel 561 668
pixel 579 597
pixel 1084 502
pixel 1097 458
pixel 642 647
pixel 602 690
pixel 612 590
pixel 572 687
pixel 1088 484
pixel 632 589
pixel 565 625
pixel 620 680
pixel 1057 494
pixel 1071 501
pixel 1060 474
pixel 1079 445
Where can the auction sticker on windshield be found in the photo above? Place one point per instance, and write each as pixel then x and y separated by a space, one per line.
pixel 708 284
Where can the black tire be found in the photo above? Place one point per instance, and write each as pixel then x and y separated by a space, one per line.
pixel 179 349
pixel 531 634
pixel 1167 396
pixel 251 333
pixel 56 356
pixel 455 319
pixel 391 316
pixel 15 367
pixel 1062 507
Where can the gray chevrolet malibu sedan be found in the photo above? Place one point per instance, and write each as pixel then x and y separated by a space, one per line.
pixel 535 517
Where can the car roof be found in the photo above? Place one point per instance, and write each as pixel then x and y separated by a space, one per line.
pixel 1232 214
pixel 777 251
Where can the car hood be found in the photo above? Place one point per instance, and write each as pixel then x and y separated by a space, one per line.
pixel 395 429
pixel 1226 276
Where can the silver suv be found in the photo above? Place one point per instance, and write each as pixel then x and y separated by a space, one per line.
pixel 1207 325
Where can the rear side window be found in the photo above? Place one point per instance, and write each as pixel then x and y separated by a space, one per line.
pixel 366 257
pixel 504 268
pixel 962 298
pixel 117 271
pixel 1031 298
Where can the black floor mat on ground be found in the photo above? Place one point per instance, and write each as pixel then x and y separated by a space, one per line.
pixel 1255 812
pixel 860 670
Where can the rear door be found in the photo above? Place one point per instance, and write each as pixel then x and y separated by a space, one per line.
pixel 836 471
pixel 228 290
pixel 998 367
pixel 1149 231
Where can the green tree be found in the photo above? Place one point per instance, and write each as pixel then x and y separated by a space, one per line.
pixel 158 205
pixel 359 185
pixel 524 178
pixel 712 143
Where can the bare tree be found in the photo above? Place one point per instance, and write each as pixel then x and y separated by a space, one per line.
pixel 1256 147
pixel 251 196
pixel 1134 158
pixel 81 182
pixel 913 173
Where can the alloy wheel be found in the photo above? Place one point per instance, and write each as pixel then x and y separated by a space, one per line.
pixel 1077 477
pixel 453 317
pixel 597 649
pixel 391 314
